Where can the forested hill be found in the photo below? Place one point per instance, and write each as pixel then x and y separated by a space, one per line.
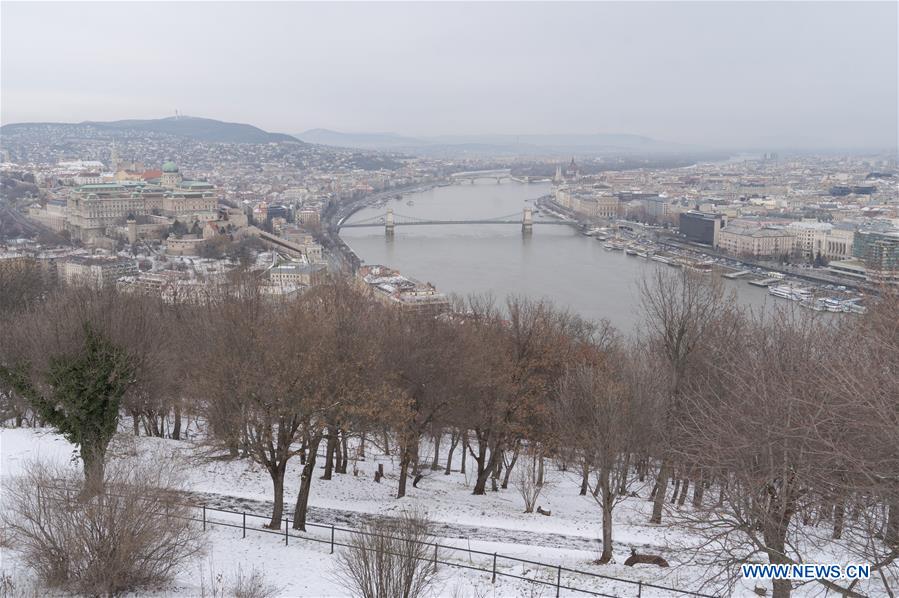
pixel 200 129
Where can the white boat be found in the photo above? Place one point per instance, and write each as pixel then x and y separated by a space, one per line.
pixel 813 304
pixel 789 292
pixel 834 305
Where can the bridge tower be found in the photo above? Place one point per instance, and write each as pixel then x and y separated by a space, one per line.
pixel 389 223
pixel 527 222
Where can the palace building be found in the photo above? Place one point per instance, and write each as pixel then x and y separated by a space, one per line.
pixel 91 209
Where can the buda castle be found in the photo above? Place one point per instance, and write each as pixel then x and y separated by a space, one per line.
pixel 92 208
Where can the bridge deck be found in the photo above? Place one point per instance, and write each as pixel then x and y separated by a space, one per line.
pixel 441 222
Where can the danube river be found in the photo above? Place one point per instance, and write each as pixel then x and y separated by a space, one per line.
pixel 555 262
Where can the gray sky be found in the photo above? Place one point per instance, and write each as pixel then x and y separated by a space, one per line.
pixel 712 73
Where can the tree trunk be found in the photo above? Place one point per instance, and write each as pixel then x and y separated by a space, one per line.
pixel 94 459
pixel 540 468
pixel 777 522
pixel 891 533
pixel 698 489
pixel 404 472
pixel 659 500
pixel 176 428
pixel 342 452
pixel 413 457
pixel 585 477
pixel 485 467
pixel 625 470
pixel 299 512
pixel 135 423
pixel 454 440
pixel 435 464
pixel 464 452
pixel 839 513
pixel 329 453
pixel 495 471
pixel 683 492
pixel 676 489
pixel 277 473
pixel 509 468
pixel 154 425
pixel 606 493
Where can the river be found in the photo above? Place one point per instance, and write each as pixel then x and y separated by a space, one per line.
pixel 555 262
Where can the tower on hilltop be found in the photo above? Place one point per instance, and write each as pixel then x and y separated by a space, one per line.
pixel 114 158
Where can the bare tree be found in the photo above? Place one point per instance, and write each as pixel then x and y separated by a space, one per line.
pixel 596 415
pixel 417 357
pixel 526 481
pixel 249 371
pixel 679 309
pixel 765 418
pixel 516 363
pixel 340 388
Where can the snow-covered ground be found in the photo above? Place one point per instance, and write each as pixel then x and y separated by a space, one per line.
pixel 491 523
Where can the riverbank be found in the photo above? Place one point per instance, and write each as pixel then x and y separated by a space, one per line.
pixel 342 257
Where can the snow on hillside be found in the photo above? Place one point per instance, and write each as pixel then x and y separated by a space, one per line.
pixel 491 523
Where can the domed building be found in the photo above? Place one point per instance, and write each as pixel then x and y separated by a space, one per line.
pixel 171 178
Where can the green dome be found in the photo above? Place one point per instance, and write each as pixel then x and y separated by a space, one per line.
pixel 169 167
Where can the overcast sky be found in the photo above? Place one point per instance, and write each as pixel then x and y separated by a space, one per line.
pixel 710 73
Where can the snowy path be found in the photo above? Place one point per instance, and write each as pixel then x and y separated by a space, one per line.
pixel 354 519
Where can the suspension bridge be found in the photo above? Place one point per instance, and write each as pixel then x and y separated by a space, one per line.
pixel 391 220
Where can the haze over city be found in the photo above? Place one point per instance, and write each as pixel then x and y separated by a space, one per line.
pixel 710 74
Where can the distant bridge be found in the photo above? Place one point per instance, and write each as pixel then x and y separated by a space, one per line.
pixel 391 220
pixel 474 175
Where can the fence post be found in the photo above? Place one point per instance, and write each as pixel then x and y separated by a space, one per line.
pixel 245 524
pixel 639 589
pixel 204 518
pixel 332 538
pixel 558 580
pixel 435 556
pixel 494 569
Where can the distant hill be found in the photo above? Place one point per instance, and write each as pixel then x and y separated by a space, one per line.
pixel 201 129
pixel 495 144
pixel 360 140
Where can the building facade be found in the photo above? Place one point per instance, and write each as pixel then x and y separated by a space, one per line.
pixel 879 251
pixel 701 227
pixel 756 242
pixel 95 271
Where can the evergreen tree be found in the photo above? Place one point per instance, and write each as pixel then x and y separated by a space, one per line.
pixel 84 393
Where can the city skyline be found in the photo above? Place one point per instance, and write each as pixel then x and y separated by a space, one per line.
pixel 809 75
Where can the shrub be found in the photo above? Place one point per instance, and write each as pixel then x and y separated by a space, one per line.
pixel 133 535
pixel 390 558
pixel 239 585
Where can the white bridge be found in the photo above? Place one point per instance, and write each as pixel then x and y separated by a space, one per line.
pixel 474 175
pixel 391 220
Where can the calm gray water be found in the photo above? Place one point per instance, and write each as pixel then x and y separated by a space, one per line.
pixel 556 262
